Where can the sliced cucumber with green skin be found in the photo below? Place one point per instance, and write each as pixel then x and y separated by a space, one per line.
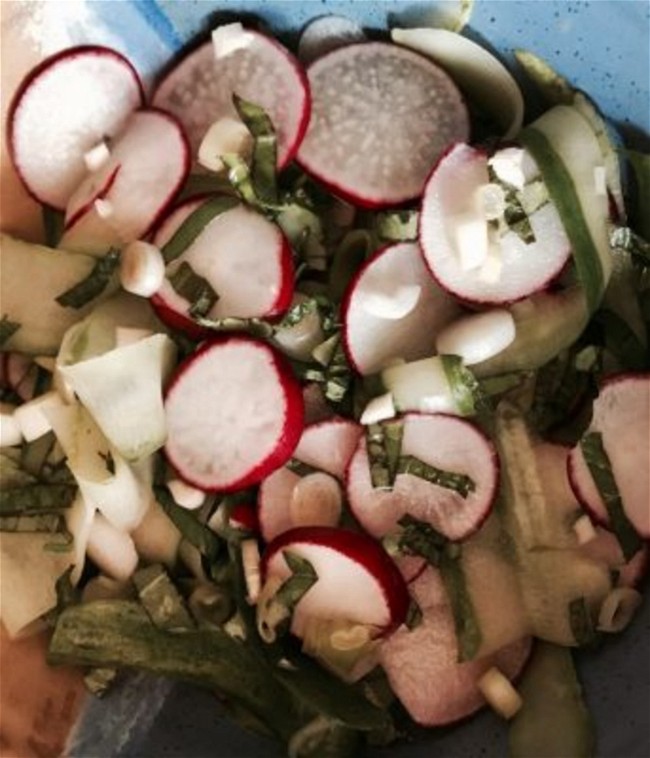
pixel 33 276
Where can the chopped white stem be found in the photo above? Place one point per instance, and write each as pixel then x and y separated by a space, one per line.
pixel 226 136
pixel 499 692
pixel 379 409
pixel 250 554
pixel 618 609
pixel 514 166
pixel 142 268
pixel 584 529
pixel 111 549
pixel 31 416
pixel 97 156
pixel 477 337
pixel 185 495
pixel 230 38
pixel 600 180
pixel 10 433
pixel 316 500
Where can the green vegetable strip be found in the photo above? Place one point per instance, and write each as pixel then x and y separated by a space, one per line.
pixel 195 223
pixel 204 539
pixel 466 390
pixel 253 326
pixel 241 179
pixel 36 499
pixel 581 622
pixel 300 468
pixel 161 600
pixel 34 454
pixel 261 127
pixel 562 190
pixel 193 288
pixel 451 480
pixel 298 312
pixel 7 329
pixel 46 522
pixel 92 285
pixel 600 468
pixel 420 538
pixel 468 630
pixel 384 444
pixel 53 225
pixel 303 577
pixel 397 226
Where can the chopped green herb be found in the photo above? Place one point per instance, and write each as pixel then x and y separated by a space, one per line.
pixel 303 577
pixel 7 329
pixel 161 600
pixel 92 285
pixel 451 480
pixel 193 288
pixel 300 468
pixel 254 326
pixel 261 127
pixel 468 630
pixel 384 445
pixel 469 398
pixel 420 538
pixel 40 522
pixel 581 622
pixel 34 499
pixel 624 238
pixel 202 537
pixel 397 226
pixel 53 225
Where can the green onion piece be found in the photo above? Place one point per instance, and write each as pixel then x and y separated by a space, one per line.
pixel 34 454
pixel 53 225
pixel 298 312
pixel 161 600
pixel 397 226
pixel 600 468
pixel 92 285
pixel 303 577
pixel 204 184
pixel 194 288
pixel 554 88
pixel 241 179
pixel 466 390
pixel 253 326
pixel 384 444
pixel 451 480
pixel 41 522
pixel 581 622
pixel 203 538
pixel 261 127
pixel 420 538
pixel 35 499
pixel 468 630
pixel 562 189
pixel 7 329
pixel 414 615
pixel 352 251
pixel 195 223
pixel 98 681
pixel 621 341
pixel 623 238
pixel 300 468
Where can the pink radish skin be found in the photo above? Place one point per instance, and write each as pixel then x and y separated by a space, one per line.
pixel 234 414
pixel 381 116
pixel 244 516
pixel 525 269
pixel 423 670
pixel 153 155
pixel 606 548
pixel 357 580
pixel 263 72
pixel 78 209
pixel 19 373
pixel 68 121
pixel 327 446
pixel 621 413
pixel 246 258
pixel 371 342
pixel 447 442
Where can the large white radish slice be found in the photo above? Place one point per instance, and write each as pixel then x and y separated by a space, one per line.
pixel 234 414
pixel 621 414
pixel 459 249
pixel 381 117
pixel 245 258
pixel 147 167
pixel 450 444
pixel 199 90
pixel 393 310
pixel 357 580
pixel 66 106
pixel 326 446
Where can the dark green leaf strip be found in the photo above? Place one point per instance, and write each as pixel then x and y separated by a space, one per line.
pixel 193 288
pixel 161 600
pixel 468 630
pixel 53 225
pixel 36 499
pixel 581 622
pixel 92 285
pixel 204 539
pixel 261 127
pixel 303 577
pixel 466 390
pixel 451 480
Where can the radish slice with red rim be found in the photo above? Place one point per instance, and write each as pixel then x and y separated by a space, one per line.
pixel 393 309
pixel 243 256
pixel 357 580
pixel 146 169
pixel 63 108
pixel 326 447
pixel 199 89
pixel 621 414
pixel 381 116
pixel 451 445
pixel 234 414
pixel 462 251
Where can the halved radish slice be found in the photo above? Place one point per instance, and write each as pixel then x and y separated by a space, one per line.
pixel 381 117
pixel 461 251
pixel 64 107
pixel 449 443
pixel 327 447
pixel 234 414
pixel 147 167
pixel 357 580
pixel 393 310
pixel 423 669
pixel 243 256
pixel 19 373
pixel 621 414
pixel 239 61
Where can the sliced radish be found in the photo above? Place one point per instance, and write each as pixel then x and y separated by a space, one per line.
pixel 244 516
pixel 327 33
pixel 149 163
pixel 464 256
pixel 327 447
pixel 621 414
pixel 393 310
pixel 357 580
pixel 450 444
pixel 234 414
pixel 243 256
pixel 606 548
pixel 66 106
pixel 381 116
pixel 19 373
pixel 239 61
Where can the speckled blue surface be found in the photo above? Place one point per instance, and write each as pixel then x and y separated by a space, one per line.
pixel 602 47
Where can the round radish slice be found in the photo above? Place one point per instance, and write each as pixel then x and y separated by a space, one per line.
pixel 393 310
pixel 464 255
pixel 357 580
pixel 621 414
pixel 65 107
pixel 381 116
pixel 448 443
pixel 238 61
pixel 234 414
pixel 147 167
pixel 326 446
pixel 423 669
pixel 243 256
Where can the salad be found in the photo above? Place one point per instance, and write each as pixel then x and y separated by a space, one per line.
pixel 336 396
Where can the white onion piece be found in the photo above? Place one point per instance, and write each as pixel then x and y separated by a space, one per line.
pixel 327 33
pixel 10 433
pixel 185 495
pixel 31 417
pixel 97 156
pixel 298 341
pixel 111 549
pixel 585 530
pixel 378 409
pixel 514 165
pixel 142 268
pixel 618 609
pixel 316 500
pixel 420 386
pixel 125 335
pixel 226 136
pixel 499 692
pixel 477 337
pixel 476 71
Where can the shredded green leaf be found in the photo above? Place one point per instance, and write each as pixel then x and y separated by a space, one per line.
pixel 451 480
pixel 303 577
pixel 469 398
pixel 35 499
pixel 193 288
pixel 203 538
pixel 581 622
pixel 397 226
pixel 161 600
pixel 53 225
pixel 384 445
pixel 261 127
pixel 92 285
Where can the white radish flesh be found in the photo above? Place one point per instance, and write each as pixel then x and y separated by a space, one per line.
pixel 227 136
pixel 477 337
pixel 257 68
pixel 97 156
pixel 450 444
pixel 234 414
pixel 142 268
pixel 53 124
pixel 185 495
pixel 381 116
pixel 378 409
pixel 32 417
pixel 373 342
pixel 327 33
pixel 111 549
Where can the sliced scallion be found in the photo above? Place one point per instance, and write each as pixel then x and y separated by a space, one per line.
pixel 92 286
pixel 161 600
pixel 261 127
pixel 451 480
pixel 194 288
